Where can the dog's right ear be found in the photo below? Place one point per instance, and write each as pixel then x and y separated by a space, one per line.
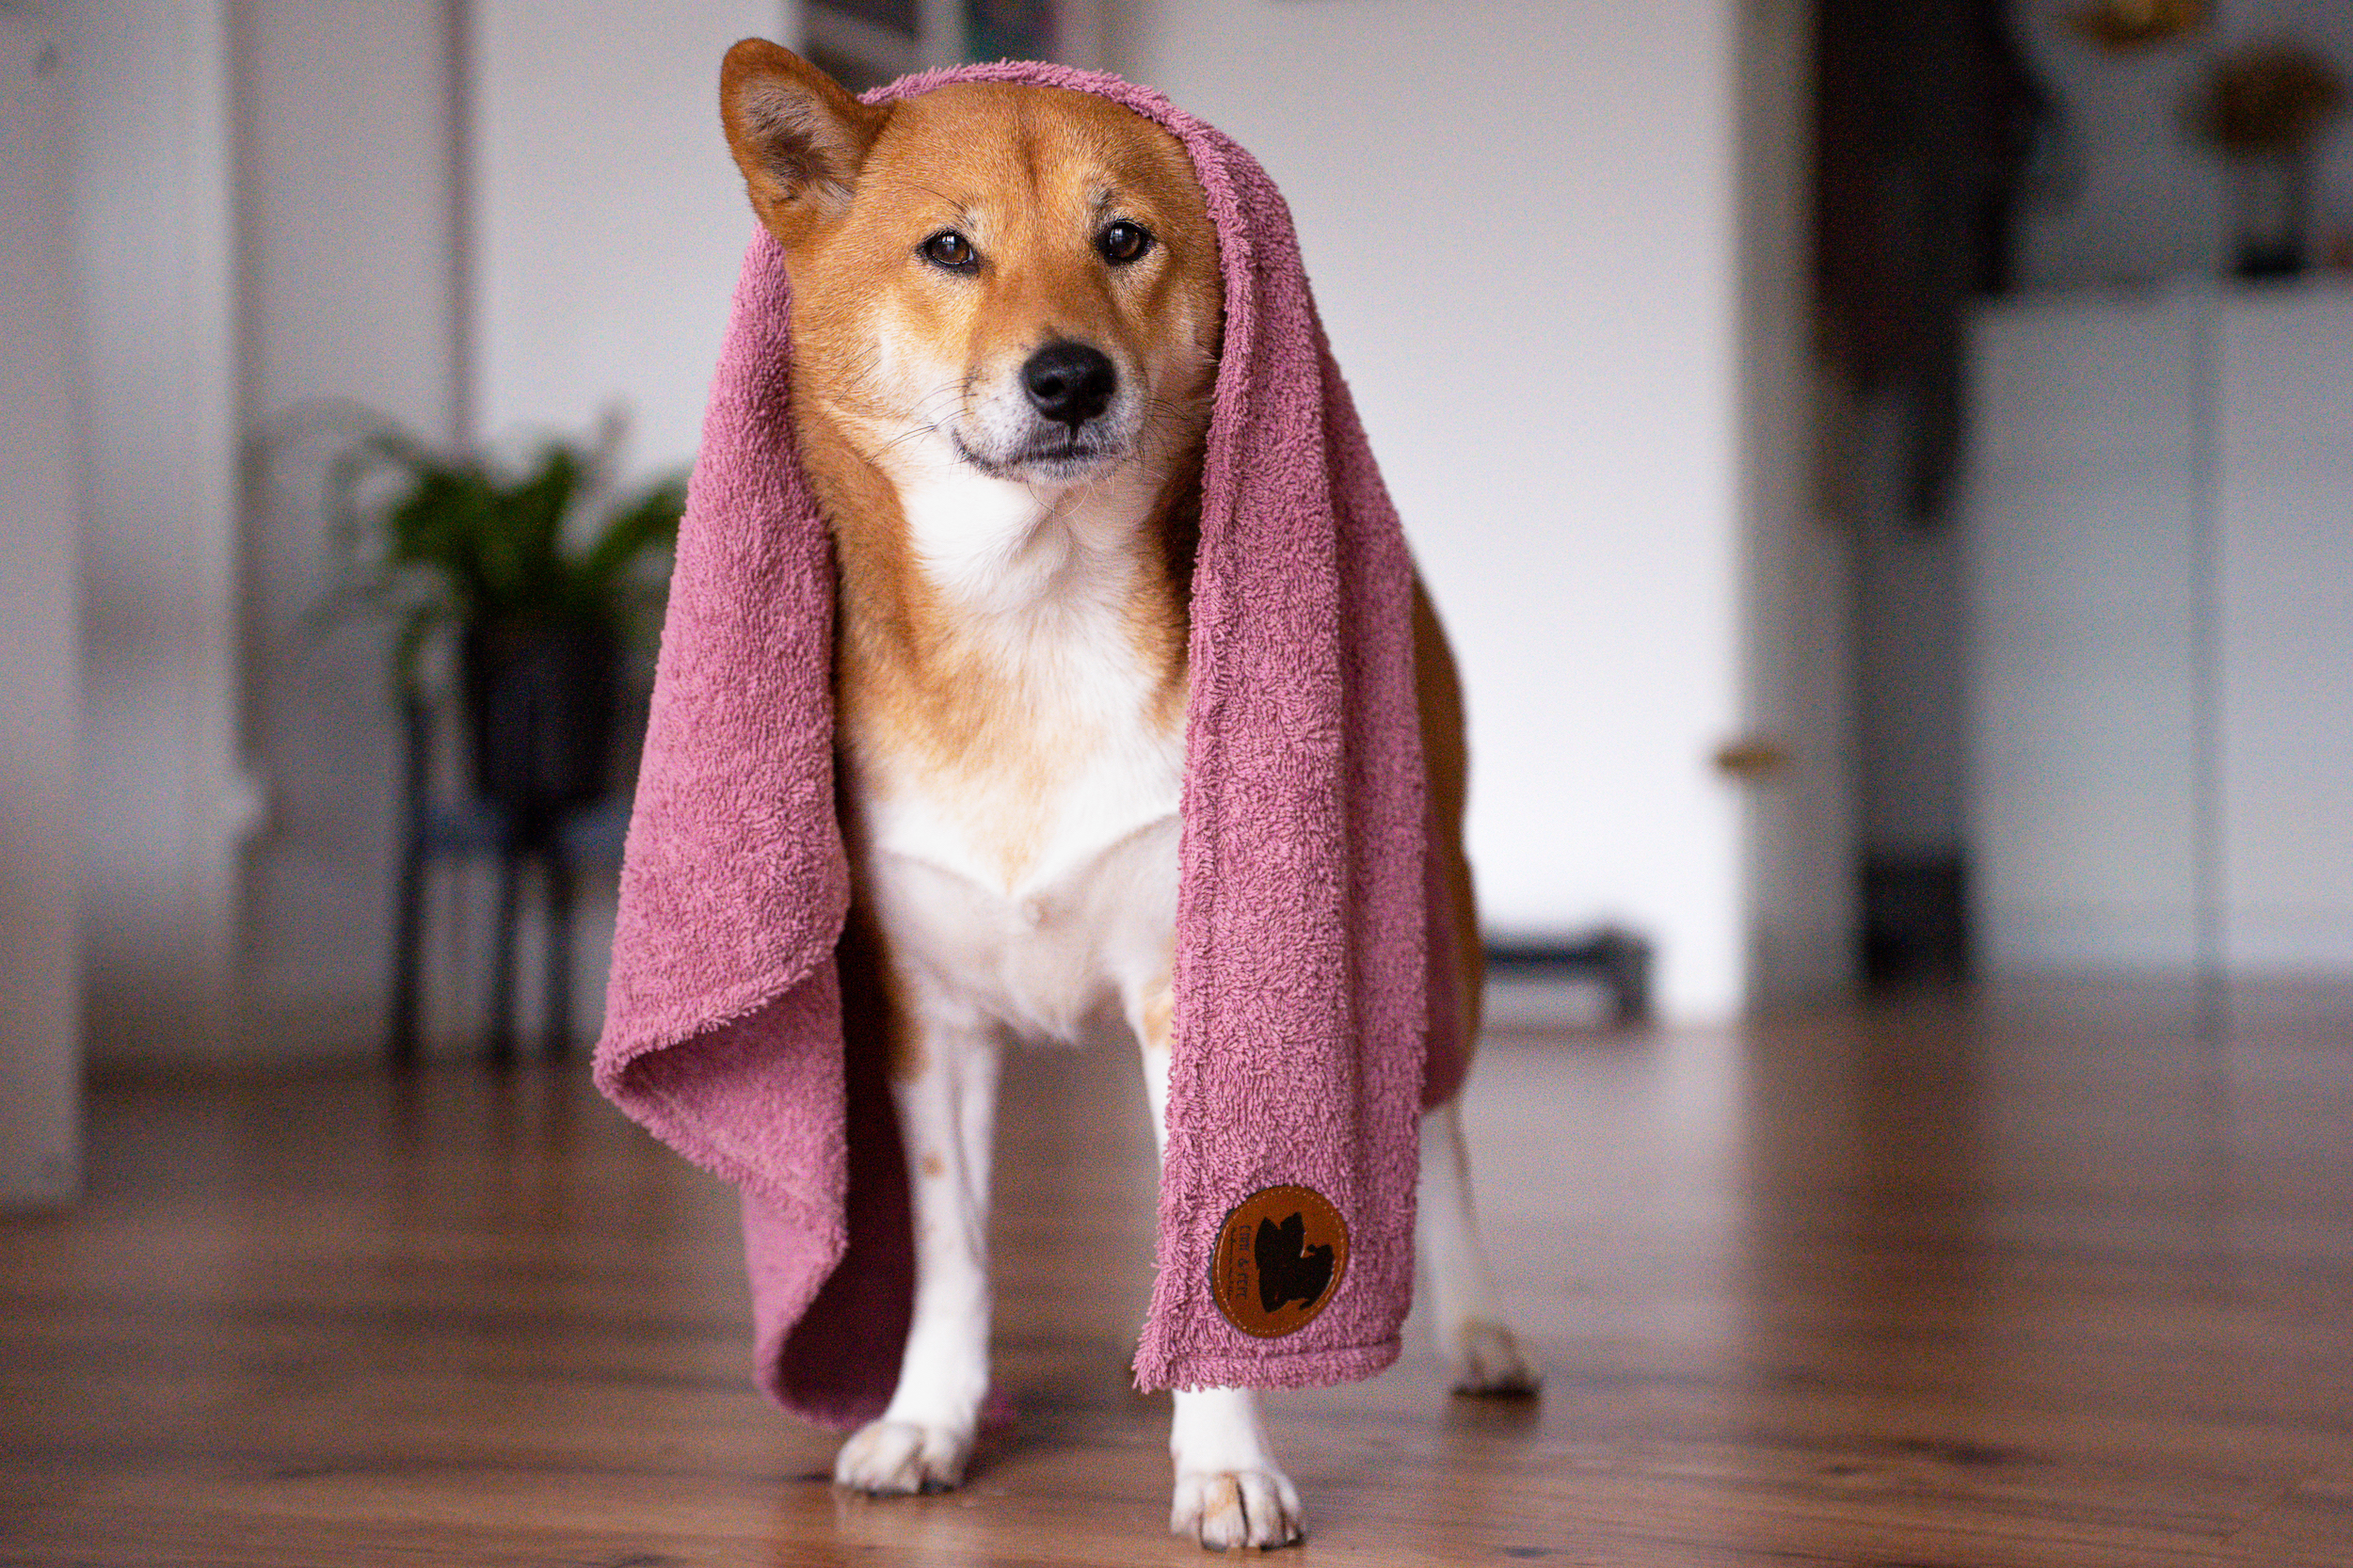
pixel 796 133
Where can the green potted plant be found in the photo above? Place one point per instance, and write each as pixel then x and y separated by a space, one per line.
pixel 538 575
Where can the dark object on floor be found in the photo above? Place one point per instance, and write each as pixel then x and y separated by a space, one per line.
pixel 535 804
pixel 1916 919
pixel 1618 959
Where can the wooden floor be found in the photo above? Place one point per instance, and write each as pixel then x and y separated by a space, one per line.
pixel 2035 1280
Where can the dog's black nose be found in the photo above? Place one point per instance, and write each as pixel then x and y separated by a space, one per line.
pixel 1070 382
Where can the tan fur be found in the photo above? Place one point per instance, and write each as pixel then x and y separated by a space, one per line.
pixel 1446 759
pixel 1159 1019
pixel 1027 173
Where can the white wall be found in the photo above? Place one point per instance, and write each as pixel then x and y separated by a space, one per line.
pixel 166 800
pixel 1550 373
pixel 267 214
pixel 609 220
pixel 2152 201
pixel 345 213
pixel 1519 221
pixel 40 1003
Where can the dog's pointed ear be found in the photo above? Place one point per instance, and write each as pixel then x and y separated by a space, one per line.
pixel 796 133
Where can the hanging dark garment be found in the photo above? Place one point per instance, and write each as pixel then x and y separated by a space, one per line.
pixel 1928 113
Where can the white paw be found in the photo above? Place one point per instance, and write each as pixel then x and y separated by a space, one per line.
pixel 1227 1509
pixel 900 1458
pixel 1487 1361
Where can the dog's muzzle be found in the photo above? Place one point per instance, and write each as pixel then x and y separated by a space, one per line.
pixel 1063 417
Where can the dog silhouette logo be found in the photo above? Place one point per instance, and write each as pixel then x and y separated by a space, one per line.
pixel 1280 1259
pixel 1288 1268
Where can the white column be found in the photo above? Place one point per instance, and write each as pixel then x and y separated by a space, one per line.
pixel 168 801
pixel 40 999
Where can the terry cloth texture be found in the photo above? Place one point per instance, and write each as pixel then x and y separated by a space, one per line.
pixel 1305 1041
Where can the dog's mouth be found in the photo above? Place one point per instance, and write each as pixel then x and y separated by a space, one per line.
pixel 1058 455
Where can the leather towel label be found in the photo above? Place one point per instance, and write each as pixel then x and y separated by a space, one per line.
pixel 1279 1260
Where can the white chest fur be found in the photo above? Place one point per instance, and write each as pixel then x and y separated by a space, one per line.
pixel 1032 885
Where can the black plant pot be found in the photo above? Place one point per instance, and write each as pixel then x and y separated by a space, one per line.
pixel 540 705
pixel 2271 197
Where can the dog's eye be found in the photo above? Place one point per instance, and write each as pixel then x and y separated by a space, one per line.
pixel 1123 241
pixel 951 251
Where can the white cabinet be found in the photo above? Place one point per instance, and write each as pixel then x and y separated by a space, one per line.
pixel 2283 510
pixel 2159 515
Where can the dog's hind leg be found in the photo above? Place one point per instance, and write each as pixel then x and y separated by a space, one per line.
pixel 1482 1352
pixel 1230 1492
pixel 946 1090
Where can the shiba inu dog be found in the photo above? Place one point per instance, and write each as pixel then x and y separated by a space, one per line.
pixel 1006 318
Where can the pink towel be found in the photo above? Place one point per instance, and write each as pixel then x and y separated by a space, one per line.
pixel 1307 932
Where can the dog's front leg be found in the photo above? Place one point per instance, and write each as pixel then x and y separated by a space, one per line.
pixel 945 1086
pixel 1229 1490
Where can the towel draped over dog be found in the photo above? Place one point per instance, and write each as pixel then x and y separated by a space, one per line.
pixel 1314 1006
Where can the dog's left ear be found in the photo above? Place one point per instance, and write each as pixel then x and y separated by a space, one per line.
pixel 796 133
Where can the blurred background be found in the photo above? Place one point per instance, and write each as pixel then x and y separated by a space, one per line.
pixel 1885 468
